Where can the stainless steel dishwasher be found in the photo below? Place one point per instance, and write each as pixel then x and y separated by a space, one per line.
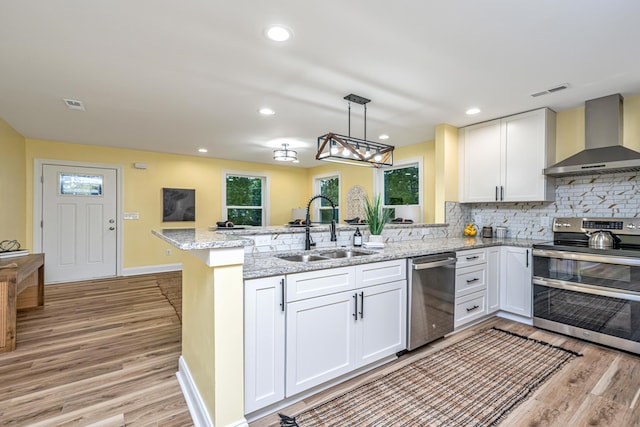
pixel 431 298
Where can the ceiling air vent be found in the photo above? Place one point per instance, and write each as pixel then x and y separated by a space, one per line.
pixel 550 90
pixel 73 104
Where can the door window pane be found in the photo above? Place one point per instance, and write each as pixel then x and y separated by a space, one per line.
pixel 80 185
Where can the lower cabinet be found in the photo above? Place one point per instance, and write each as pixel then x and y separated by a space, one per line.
pixel 332 335
pixel 264 342
pixel 304 329
pixel 515 283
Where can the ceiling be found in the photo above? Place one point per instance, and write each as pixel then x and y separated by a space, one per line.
pixel 174 76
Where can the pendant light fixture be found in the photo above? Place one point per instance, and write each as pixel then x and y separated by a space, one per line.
pixel 285 155
pixel 354 151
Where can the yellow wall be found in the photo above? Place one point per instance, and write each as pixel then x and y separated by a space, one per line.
pixel 143 191
pixel 12 186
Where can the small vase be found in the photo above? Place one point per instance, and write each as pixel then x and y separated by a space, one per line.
pixel 376 238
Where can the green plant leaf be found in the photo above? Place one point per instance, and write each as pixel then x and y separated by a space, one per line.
pixel 375 215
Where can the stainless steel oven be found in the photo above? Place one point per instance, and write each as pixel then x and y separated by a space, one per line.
pixel 593 294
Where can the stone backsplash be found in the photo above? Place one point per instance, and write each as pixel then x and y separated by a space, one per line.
pixel 606 196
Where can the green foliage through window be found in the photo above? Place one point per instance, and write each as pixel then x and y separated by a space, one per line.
pixel 402 186
pixel 244 200
pixel 329 187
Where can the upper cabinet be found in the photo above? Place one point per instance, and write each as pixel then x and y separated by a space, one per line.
pixel 503 160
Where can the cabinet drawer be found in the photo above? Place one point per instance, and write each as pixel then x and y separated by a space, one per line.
pixel 322 282
pixel 381 272
pixel 471 279
pixel 471 257
pixel 470 307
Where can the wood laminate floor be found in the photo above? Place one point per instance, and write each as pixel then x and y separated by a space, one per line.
pixel 101 352
pixel 602 388
pixel 105 353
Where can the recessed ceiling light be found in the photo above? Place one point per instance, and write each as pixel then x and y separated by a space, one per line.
pixel 278 33
pixel 266 111
pixel 203 150
pixel 472 111
pixel 384 136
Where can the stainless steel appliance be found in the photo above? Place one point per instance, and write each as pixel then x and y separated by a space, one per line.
pixel 590 292
pixel 431 298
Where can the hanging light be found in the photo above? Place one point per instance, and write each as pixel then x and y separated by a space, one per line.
pixel 345 149
pixel 285 155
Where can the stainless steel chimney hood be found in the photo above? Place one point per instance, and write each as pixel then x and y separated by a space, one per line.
pixel 603 152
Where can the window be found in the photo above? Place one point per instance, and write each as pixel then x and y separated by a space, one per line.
pixel 329 186
pixel 245 197
pixel 402 185
pixel 80 185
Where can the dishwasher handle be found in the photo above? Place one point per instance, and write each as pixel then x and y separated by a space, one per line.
pixel 434 264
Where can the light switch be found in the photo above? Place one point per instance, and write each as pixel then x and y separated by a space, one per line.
pixel 131 215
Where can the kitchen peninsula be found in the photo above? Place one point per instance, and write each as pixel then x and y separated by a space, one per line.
pixel 215 265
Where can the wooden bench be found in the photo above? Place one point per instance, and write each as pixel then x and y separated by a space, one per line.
pixel 21 286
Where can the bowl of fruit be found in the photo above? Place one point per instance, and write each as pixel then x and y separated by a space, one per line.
pixel 470 230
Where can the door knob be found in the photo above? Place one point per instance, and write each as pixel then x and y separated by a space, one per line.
pixel 111 221
pixel 112 228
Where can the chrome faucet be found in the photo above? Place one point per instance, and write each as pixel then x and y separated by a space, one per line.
pixel 307 221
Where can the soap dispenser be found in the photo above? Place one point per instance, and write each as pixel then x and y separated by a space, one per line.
pixel 357 238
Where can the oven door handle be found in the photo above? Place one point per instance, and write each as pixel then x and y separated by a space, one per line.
pixel 589 289
pixel 579 256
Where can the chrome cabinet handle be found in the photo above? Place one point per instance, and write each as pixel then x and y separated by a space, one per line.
pixel 472 308
pixel 355 313
pixel 282 294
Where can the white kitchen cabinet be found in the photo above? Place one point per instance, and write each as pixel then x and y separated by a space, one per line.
pixel 503 160
pixel 264 342
pixel 320 340
pixel 382 322
pixel 493 279
pixel 333 334
pixel 515 283
pixel 471 286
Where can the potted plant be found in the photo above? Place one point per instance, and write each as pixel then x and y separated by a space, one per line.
pixel 376 217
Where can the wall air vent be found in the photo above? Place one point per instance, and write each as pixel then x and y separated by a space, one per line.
pixel 550 90
pixel 73 104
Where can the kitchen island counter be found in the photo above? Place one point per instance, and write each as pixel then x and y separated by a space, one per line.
pixel 268 264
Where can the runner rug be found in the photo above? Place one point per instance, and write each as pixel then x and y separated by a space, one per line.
pixel 474 382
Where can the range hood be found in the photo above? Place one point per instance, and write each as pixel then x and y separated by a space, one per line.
pixel 603 151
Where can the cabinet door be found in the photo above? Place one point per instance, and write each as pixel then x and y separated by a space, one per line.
pixel 515 286
pixel 382 322
pixel 493 279
pixel 320 340
pixel 481 162
pixel 264 320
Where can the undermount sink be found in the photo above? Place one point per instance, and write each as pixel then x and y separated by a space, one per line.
pixel 325 255
pixel 343 253
pixel 303 258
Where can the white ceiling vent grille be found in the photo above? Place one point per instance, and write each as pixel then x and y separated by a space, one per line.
pixel 550 90
pixel 74 104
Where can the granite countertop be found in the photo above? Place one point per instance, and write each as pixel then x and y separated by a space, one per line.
pixel 268 264
pixel 200 238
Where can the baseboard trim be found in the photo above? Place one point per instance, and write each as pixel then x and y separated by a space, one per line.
pixel 150 269
pixel 194 400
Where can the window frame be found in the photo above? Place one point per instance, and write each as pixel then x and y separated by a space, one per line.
pixel 379 182
pixel 266 185
pixel 316 190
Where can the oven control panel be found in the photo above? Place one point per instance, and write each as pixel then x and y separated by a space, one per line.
pixel 582 225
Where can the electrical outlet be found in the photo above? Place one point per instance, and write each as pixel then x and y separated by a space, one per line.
pixel 168 252
pixel 262 240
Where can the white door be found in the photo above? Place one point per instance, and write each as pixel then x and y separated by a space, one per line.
pixel 515 288
pixel 264 316
pixel 320 340
pixel 381 328
pixel 79 221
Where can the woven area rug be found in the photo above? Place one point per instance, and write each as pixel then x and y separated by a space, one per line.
pixel 475 382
